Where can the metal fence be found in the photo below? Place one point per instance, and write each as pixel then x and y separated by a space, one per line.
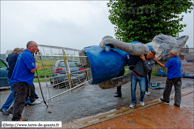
pixel 55 81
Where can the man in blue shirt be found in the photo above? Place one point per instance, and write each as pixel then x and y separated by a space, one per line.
pixel 22 77
pixel 173 78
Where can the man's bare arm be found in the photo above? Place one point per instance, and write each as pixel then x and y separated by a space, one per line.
pixel 162 65
pixel 33 70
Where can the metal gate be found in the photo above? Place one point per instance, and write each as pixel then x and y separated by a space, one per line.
pixel 59 72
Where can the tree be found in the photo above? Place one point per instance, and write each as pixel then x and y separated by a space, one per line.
pixel 141 20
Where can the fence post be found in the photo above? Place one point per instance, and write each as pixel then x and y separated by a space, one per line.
pixel 65 60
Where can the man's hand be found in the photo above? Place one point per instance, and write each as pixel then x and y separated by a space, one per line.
pixel 155 60
pixel 37 65
pixel 142 57
pixel 35 59
pixel 37 50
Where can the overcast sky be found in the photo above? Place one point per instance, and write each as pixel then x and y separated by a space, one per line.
pixel 74 24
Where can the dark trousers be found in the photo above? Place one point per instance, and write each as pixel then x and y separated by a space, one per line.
pixel 33 95
pixel 119 90
pixel 119 87
pixel 21 93
pixel 177 86
pixel 148 78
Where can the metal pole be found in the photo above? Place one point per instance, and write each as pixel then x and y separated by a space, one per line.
pixel 65 60
pixel 41 87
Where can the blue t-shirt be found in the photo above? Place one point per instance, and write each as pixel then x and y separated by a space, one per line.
pixel 25 63
pixel 174 67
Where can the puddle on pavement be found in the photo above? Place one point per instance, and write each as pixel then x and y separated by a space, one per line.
pixel 138 119
pixel 146 121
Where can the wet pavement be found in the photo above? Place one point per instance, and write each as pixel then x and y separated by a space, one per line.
pixel 157 116
pixel 84 102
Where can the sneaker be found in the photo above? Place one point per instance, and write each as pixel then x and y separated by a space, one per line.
pixel 132 105
pixel 142 103
pixel 162 100
pixel 147 93
pixel 40 99
pixel 4 112
pixel 36 102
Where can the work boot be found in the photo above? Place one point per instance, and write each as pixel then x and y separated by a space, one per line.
pixel 29 104
pixel 162 100
pixel 176 105
pixel 10 110
pixel 23 119
pixel 118 95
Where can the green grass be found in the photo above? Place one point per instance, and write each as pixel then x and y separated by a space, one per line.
pixel 48 65
pixel 36 80
pixel 41 73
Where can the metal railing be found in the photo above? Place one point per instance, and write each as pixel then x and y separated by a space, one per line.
pixel 54 85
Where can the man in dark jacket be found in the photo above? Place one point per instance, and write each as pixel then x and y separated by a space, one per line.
pixel 11 59
pixel 139 73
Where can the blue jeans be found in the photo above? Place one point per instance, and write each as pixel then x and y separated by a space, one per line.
pixel 10 98
pixel 142 83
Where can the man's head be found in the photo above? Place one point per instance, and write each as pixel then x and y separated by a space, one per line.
pixel 32 46
pixel 151 54
pixel 173 53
